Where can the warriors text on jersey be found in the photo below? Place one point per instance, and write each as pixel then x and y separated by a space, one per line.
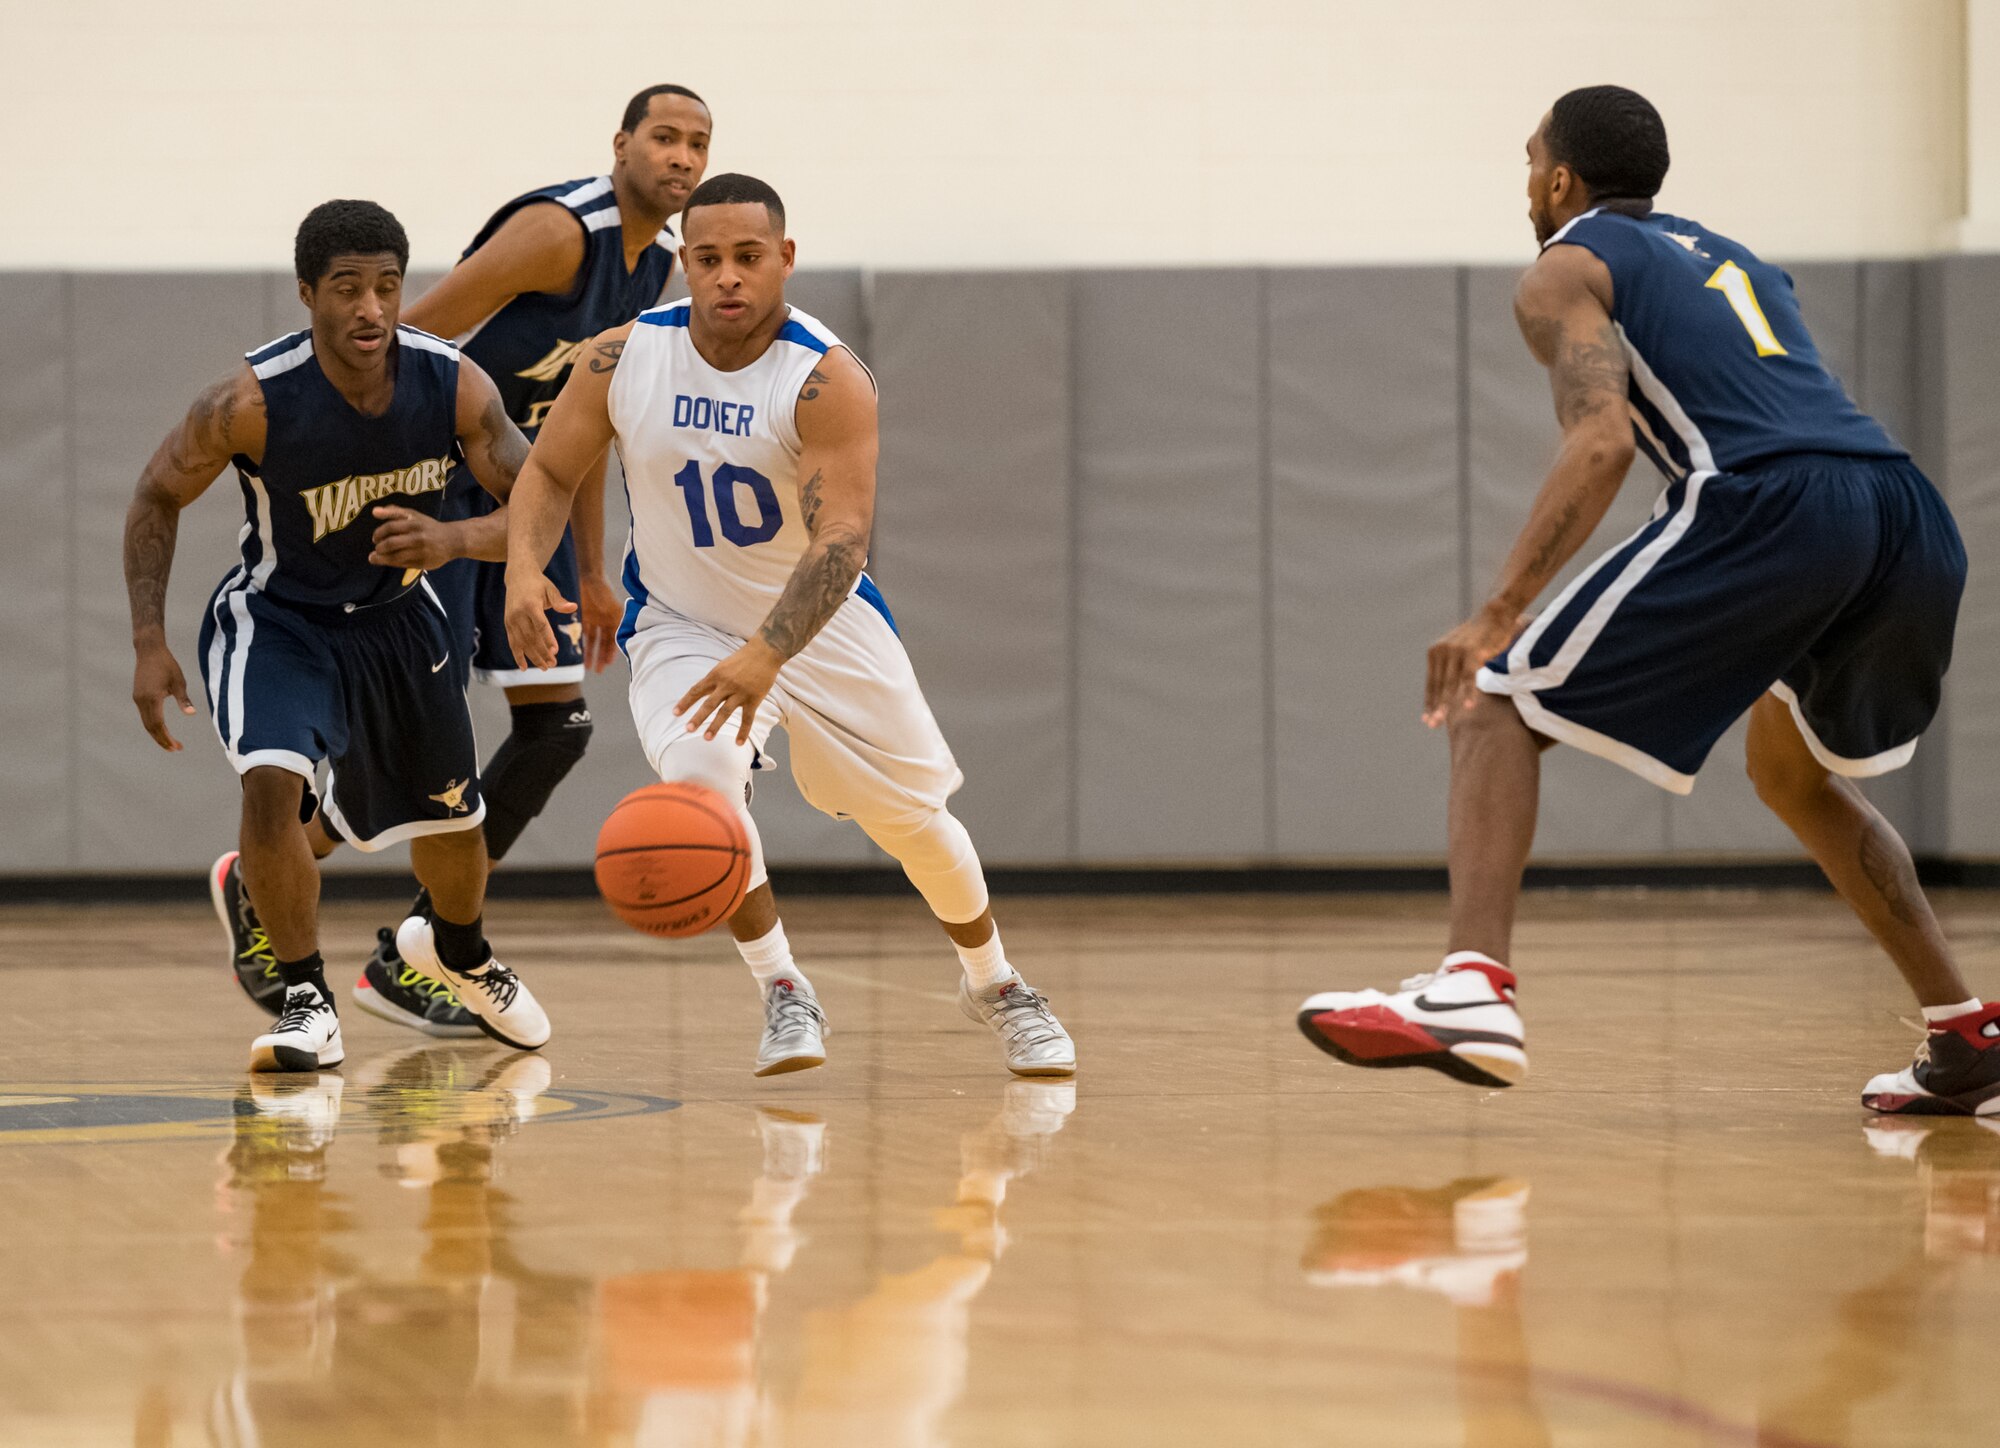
pixel 527 346
pixel 309 502
pixel 711 466
pixel 1724 373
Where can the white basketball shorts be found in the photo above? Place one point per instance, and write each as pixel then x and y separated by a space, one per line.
pixel 863 743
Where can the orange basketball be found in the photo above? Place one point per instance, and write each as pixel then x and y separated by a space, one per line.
pixel 673 859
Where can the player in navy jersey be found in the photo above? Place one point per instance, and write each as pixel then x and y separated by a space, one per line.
pixel 1798 567
pixel 326 643
pixel 548 271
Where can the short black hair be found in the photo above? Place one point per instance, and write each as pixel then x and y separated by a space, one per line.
pixel 1613 140
pixel 732 188
pixel 346 228
pixel 636 108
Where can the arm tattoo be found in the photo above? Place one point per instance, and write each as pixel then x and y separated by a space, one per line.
pixel 1889 871
pixel 817 588
pixel 1590 374
pixel 505 445
pixel 1556 547
pixel 809 501
pixel 605 355
pixel 817 380
pixel 150 529
pixel 209 424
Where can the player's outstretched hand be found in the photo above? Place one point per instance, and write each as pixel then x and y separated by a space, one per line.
pixel 1455 661
pixel 739 682
pixel 157 677
pixel 406 538
pixel 529 602
pixel 602 613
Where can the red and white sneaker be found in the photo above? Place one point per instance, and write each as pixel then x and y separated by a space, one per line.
pixel 1956 1073
pixel 1458 1019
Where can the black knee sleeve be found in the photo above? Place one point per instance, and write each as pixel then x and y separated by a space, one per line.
pixel 547 741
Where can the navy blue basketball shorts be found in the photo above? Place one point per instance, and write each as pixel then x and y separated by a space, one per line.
pixel 475 598
pixel 379 694
pixel 1831 582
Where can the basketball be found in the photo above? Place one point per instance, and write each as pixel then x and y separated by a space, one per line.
pixel 673 859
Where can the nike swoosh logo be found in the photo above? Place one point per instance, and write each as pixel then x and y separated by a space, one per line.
pixel 1425 1003
pixel 440 663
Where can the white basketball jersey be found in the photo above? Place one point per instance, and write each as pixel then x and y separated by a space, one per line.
pixel 711 470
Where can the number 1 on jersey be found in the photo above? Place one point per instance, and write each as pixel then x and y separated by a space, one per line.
pixel 1734 283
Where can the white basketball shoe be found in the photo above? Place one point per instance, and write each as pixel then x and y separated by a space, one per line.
pixel 305 1037
pixel 1035 1041
pixel 795 1029
pixel 1458 1019
pixel 507 1010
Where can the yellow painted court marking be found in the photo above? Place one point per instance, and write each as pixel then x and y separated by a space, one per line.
pixel 6 1101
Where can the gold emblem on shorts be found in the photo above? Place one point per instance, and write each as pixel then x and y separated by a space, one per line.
pixel 575 632
pixel 453 797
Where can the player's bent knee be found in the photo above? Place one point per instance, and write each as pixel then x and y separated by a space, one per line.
pixel 271 800
pixel 937 854
pixel 720 764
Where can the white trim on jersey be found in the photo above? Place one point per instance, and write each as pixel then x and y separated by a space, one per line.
pixel 284 361
pixel 1563 231
pixel 1520 678
pixel 1874 764
pixel 425 342
pixel 601 220
pixel 261 574
pixel 1655 392
pixel 667 238
pixel 588 191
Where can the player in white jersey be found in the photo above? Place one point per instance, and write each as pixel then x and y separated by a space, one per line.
pixel 748 437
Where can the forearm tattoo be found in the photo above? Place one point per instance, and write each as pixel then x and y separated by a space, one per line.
pixel 150 530
pixel 815 591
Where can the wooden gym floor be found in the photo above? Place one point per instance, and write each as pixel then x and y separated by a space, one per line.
pixel 1682 1230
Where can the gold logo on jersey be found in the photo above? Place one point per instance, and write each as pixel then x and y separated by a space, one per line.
pixel 537 413
pixel 336 504
pixel 453 796
pixel 556 363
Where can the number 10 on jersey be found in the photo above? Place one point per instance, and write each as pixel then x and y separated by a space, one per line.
pixel 727 479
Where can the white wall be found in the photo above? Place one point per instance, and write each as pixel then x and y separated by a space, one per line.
pixel 931 133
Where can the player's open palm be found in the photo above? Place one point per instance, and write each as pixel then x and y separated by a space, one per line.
pixel 157 678
pixel 738 683
pixel 529 603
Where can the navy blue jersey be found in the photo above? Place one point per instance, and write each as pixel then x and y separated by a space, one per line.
pixel 1724 372
pixel 528 345
pixel 309 504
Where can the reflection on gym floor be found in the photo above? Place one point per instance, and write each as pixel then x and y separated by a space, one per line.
pixel 470 1344
pixel 1467 1242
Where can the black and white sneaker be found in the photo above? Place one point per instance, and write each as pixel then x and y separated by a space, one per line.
pixel 393 990
pixel 250 954
pixel 506 1009
pixel 306 1037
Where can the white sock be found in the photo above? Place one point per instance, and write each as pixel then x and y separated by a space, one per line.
pixel 985 965
pixel 1466 957
pixel 1934 1014
pixel 769 957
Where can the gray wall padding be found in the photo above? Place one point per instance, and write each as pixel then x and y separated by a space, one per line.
pixel 1971 467
pixel 1167 549
pixel 1365 548
pixel 1170 549
pixel 974 530
pixel 38 779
